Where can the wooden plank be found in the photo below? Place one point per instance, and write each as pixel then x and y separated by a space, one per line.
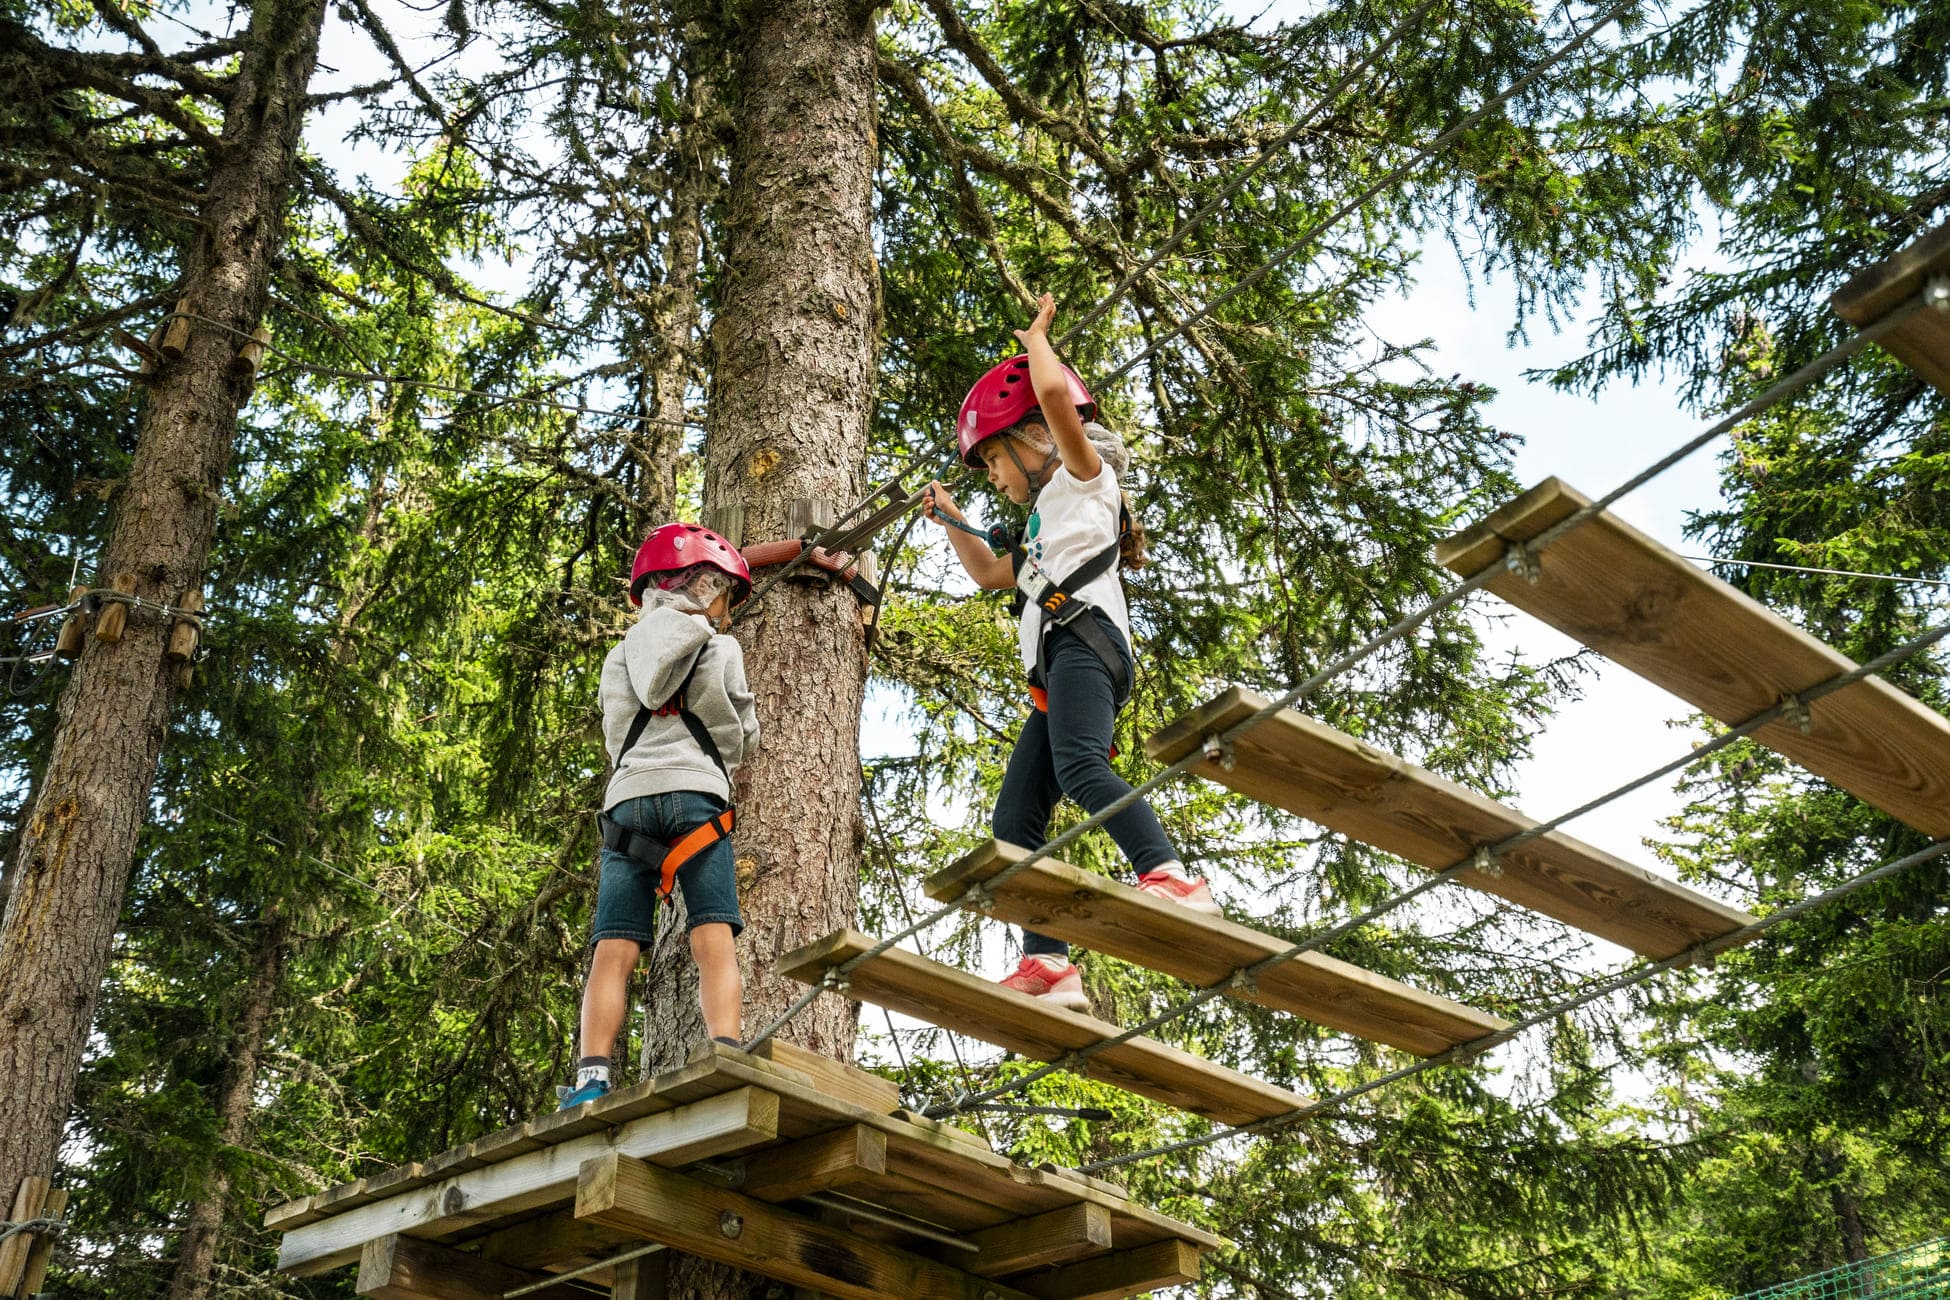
pixel 1056 1237
pixel 720 1224
pixel 291 1214
pixel 953 999
pixel 839 1079
pixel 1065 902
pixel 1635 602
pixel 401 1268
pixel 1112 1277
pixel 815 1164
pixel 41 1252
pixel 1923 341
pixel 723 1125
pixel 28 1199
pixel 556 1239
pixel 1349 786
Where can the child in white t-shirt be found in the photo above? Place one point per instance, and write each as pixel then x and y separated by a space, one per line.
pixel 1075 630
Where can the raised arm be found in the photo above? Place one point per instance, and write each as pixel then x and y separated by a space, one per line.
pixel 1053 395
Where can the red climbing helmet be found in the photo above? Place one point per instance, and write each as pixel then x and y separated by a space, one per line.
pixel 1001 398
pixel 679 546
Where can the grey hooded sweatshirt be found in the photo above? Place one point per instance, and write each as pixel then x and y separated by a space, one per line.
pixel 644 669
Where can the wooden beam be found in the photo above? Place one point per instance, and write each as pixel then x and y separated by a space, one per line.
pixel 1065 902
pixel 727 1124
pixel 956 1000
pixel 1616 590
pixel 839 1079
pixel 815 1164
pixel 556 1238
pixel 720 1224
pixel 1129 1272
pixel 1347 785
pixel 1923 341
pixel 1058 1237
pixel 402 1268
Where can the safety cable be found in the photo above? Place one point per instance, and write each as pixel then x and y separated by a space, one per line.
pixel 1423 154
pixel 1519 558
pixel 1484 859
pixel 1466 1052
pixel 1803 568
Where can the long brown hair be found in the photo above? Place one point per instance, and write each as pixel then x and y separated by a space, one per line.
pixel 1130 546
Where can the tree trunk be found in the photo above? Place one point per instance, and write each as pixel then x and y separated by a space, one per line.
pixel 75 850
pixel 205 1228
pixel 792 387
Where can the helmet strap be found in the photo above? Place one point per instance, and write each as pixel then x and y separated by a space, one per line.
pixel 1034 479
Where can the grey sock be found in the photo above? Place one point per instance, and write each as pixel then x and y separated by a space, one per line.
pixel 592 1067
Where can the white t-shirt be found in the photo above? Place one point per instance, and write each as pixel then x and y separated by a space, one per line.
pixel 1073 522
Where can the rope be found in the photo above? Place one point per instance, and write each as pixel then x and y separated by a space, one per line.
pixel 1424 153
pixel 1802 568
pixel 1467 1052
pixel 1519 558
pixel 50 1226
pixel 1483 858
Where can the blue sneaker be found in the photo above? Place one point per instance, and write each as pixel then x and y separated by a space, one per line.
pixel 573 1097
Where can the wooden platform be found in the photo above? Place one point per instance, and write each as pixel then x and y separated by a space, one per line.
pixel 1297 763
pixel 1923 341
pixel 1632 600
pixel 967 1004
pixel 709 1159
pixel 1065 902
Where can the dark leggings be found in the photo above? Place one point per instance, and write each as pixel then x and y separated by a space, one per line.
pixel 1067 751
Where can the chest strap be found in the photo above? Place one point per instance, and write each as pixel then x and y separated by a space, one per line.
pixel 1060 608
pixel 676 704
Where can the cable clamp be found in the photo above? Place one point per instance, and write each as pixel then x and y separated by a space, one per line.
pixel 980 897
pixel 1486 863
pixel 1219 750
pixel 1242 981
pixel 1795 709
pixel 1523 561
pixel 1700 957
pixel 834 980
pixel 1936 294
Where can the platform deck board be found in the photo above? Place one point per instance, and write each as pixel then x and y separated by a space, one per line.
pixel 1347 785
pixel 1923 341
pixel 909 983
pixel 1623 594
pixel 1055 898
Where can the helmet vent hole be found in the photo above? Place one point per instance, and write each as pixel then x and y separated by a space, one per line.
pixel 1014 379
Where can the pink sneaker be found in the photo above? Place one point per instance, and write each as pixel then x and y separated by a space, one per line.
pixel 1193 893
pixel 1061 988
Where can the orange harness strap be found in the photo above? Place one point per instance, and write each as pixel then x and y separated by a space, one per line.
pixel 693 843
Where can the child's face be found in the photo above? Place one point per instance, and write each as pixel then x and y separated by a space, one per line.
pixel 719 614
pixel 1005 475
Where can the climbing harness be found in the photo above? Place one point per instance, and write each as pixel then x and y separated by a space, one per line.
pixel 1060 608
pixel 648 849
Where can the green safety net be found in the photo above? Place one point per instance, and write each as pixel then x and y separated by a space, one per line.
pixel 1920 1272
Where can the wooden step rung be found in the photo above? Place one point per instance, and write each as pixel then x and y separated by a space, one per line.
pixel 1307 767
pixel 1923 341
pixel 1066 902
pixel 1616 590
pixel 911 984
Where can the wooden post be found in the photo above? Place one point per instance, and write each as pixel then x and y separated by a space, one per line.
pixel 28 1200
pixel 807 516
pixel 647 1277
pixel 74 628
pixel 176 334
pixel 184 633
pixel 727 522
pixel 38 1255
pixel 251 355
pixel 115 614
pixel 870 570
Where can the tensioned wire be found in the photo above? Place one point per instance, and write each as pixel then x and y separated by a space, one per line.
pixel 1519 557
pixel 1469 1051
pixel 1484 860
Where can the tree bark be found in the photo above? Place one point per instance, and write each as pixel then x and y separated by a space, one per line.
pixel 198 1253
pixel 793 349
pixel 73 859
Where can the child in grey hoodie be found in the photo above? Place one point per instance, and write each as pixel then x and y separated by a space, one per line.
pixel 677 719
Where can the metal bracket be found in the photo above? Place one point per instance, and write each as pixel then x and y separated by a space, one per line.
pixel 1526 563
pixel 1795 709
pixel 1219 750
pixel 833 981
pixel 1936 294
pixel 981 898
pixel 1486 863
pixel 1242 981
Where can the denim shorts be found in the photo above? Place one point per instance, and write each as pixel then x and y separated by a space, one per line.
pixel 626 899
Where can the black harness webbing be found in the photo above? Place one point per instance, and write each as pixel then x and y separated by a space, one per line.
pixel 648 849
pixel 1061 609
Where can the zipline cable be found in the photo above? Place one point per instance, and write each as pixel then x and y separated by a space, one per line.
pixel 1520 557
pixel 1467 1052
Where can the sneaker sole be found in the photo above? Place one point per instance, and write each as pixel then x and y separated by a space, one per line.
pixel 1207 908
pixel 1067 1001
